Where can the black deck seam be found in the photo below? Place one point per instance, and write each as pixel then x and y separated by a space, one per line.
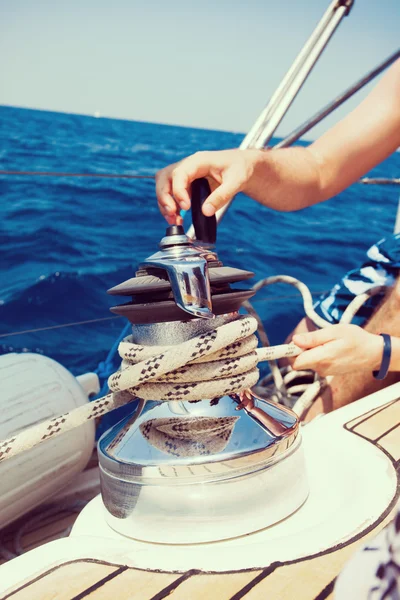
pixel 387 432
pixel 327 591
pixel 369 416
pixel 165 592
pixel 252 584
pixel 99 583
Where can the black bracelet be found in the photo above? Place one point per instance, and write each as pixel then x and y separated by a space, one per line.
pixel 386 356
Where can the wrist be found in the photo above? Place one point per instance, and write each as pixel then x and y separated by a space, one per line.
pixel 384 366
pixel 376 351
pixel 257 166
pixel 256 160
pixel 263 180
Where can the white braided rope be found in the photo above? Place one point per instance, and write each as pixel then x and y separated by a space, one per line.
pixel 168 373
pixel 304 291
pixel 219 362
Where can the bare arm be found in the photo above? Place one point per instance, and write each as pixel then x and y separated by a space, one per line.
pixel 299 177
pixel 293 178
pixel 363 139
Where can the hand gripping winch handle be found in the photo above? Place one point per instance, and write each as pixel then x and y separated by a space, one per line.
pixel 205 227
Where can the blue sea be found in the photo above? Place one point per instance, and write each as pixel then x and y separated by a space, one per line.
pixel 65 241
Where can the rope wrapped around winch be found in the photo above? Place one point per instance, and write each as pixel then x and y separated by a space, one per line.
pixel 220 362
pixel 221 370
pixel 225 355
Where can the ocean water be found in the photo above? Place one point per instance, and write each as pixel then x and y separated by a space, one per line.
pixel 65 241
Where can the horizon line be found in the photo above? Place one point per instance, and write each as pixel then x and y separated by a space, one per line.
pixel 100 116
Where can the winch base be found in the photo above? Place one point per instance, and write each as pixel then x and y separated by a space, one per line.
pixel 214 511
pixel 353 485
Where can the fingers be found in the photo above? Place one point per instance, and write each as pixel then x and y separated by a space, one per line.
pixel 337 349
pixel 190 169
pixel 166 202
pixel 226 168
pixel 324 360
pixel 318 350
pixel 316 338
pixel 173 183
pixel 311 359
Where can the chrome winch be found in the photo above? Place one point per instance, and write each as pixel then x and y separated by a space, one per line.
pixel 181 472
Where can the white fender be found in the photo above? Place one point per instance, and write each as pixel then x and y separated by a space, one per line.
pixel 34 388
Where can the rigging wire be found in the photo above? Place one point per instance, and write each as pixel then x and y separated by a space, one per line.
pixel 61 326
pixel 364 180
pixel 3 335
pixel 380 180
pixel 61 174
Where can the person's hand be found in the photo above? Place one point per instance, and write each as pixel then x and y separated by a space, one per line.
pixel 339 349
pixel 227 172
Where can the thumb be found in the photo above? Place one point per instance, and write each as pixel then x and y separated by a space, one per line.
pixel 315 338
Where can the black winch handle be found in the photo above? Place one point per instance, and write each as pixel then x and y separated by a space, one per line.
pixel 205 227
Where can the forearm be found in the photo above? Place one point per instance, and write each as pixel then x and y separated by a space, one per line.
pixel 363 139
pixel 294 178
pixel 285 180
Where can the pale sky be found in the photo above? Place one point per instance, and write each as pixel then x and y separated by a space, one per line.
pixel 210 64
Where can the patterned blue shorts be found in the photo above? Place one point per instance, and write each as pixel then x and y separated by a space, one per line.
pixel 382 267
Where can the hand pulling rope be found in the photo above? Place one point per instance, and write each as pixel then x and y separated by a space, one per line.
pixel 279 383
pixel 217 363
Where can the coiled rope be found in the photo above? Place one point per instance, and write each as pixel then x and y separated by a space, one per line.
pixel 219 362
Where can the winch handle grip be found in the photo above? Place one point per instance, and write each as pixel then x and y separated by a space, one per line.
pixel 205 227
